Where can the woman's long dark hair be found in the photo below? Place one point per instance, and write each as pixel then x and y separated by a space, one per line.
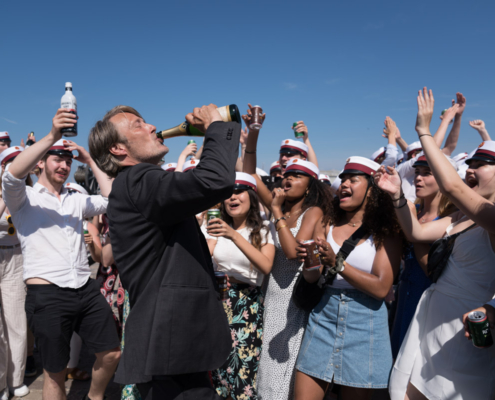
pixel 379 215
pixel 253 220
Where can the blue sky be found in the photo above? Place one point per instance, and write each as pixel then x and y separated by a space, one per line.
pixel 339 66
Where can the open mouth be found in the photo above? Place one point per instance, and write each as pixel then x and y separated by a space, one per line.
pixel 471 182
pixel 234 206
pixel 344 196
pixel 288 186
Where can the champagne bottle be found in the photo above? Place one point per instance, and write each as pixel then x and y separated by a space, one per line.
pixel 228 113
pixel 69 102
pixel 30 141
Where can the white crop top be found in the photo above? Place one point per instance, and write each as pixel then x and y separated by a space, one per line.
pixel 230 259
pixel 361 257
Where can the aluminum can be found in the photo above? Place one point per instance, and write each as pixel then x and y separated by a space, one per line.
pixel 86 232
pixel 479 327
pixel 212 213
pixel 312 261
pixel 221 278
pixel 255 123
pixel 298 135
pixel 191 141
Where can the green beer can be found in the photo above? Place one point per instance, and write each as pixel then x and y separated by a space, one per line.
pixel 298 135
pixel 479 327
pixel 211 214
pixel 191 141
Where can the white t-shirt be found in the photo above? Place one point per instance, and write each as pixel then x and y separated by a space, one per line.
pixel 229 258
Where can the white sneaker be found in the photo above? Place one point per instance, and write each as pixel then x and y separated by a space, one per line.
pixel 4 394
pixel 20 391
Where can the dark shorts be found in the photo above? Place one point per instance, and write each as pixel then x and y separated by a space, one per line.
pixel 54 313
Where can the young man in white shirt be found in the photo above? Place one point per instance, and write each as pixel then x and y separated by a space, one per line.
pixel 61 297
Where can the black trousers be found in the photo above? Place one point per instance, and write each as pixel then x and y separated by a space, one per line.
pixel 195 386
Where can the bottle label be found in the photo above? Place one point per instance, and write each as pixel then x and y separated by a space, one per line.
pixel 224 113
pixel 69 104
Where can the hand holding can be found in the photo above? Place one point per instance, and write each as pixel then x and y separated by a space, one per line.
pixel 212 214
pixel 312 260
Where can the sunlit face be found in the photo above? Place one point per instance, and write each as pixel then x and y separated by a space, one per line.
pixel 238 204
pixel 56 169
pixel 295 185
pixel 4 145
pixel 286 155
pixel 480 176
pixel 352 191
pixel 142 144
pixel 425 182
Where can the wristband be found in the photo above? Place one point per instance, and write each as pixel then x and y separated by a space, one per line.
pixel 401 205
pixel 278 219
pixel 280 227
pixel 250 152
pixel 425 134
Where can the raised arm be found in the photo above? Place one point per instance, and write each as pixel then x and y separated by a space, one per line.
pixel 389 133
pixel 301 127
pixel 400 141
pixel 25 162
pixel 453 138
pixel 479 125
pixel 240 161
pixel 189 150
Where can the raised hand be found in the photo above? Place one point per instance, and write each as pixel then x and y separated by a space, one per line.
pixel 477 124
pixel 388 180
pixel 450 113
pixel 278 198
pixel 301 127
pixel 83 155
pixel 190 150
pixel 219 228
pixel 390 128
pixel 62 119
pixel 247 117
pixel 426 104
pixel 461 101
pixel 202 118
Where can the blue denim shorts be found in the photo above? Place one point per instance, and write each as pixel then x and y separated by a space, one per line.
pixel 347 340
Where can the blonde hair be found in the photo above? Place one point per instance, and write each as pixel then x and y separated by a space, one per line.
pixel 445 206
pixel 103 136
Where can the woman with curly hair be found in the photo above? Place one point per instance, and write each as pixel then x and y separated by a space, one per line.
pixel 347 339
pixel 241 245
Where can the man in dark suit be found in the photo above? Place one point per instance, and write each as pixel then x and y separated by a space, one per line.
pixel 177 329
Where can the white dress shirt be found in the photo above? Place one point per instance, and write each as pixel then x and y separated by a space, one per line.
pixel 407 174
pixel 51 230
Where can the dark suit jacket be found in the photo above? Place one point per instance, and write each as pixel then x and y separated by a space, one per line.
pixel 177 324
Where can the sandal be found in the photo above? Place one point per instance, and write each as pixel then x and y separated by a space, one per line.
pixel 77 374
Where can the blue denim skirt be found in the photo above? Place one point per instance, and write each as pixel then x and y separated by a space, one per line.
pixel 347 340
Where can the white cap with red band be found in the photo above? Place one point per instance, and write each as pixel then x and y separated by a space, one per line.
pixel 459 158
pixel 306 167
pixel 485 152
pixel 294 145
pixel 4 136
pixel 379 153
pixel 170 166
pixel 191 164
pixel 76 187
pixel 413 147
pixel 245 180
pixel 325 178
pixel 360 165
pixel 9 154
pixel 59 148
pixel 275 167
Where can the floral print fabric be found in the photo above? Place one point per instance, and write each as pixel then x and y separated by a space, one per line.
pixel 237 377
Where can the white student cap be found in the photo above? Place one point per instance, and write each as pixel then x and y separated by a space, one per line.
pixel 191 164
pixel 423 162
pixel 304 167
pixel 171 167
pixel 360 166
pixel 485 152
pixel 9 154
pixel 379 153
pixel 325 179
pixel 275 167
pixel 244 181
pixel 460 158
pixel 289 145
pixel 413 147
pixel 4 137
pixel 76 187
pixel 59 149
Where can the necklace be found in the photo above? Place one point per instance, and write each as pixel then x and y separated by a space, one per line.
pixel 353 224
pixel 288 215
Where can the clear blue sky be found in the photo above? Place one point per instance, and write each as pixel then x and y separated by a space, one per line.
pixel 339 66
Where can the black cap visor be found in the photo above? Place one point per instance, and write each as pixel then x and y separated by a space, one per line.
pixel 297 171
pixel 421 163
pixel 481 157
pixel 351 172
pixel 239 187
pixel 290 151
pixel 66 153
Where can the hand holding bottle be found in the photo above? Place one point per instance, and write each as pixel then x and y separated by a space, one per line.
pixel 202 118
pixel 63 119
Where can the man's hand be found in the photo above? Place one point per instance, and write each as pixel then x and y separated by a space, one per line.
pixel 426 104
pixel 62 119
pixel 83 155
pixel 202 118
pixel 302 128
pixel 461 101
pixel 488 310
pixel 477 124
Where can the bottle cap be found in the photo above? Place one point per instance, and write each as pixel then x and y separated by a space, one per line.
pixel 68 84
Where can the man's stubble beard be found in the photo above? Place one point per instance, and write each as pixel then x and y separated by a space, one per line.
pixel 153 158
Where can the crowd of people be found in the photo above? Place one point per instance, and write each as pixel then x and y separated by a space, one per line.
pixel 386 315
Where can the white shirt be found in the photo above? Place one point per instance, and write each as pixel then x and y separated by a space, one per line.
pixel 390 156
pixel 407 174
pixel 51 230
pixel 230 259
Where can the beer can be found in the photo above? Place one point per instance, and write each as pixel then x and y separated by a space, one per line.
pixel 298 135
pixel 221 278
pixel 86 232
pixel 191 141
pixel 213 213
pixel 256 123
pixel 312 260
pixel 479 327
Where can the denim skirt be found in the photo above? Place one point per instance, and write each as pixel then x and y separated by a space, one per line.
pixel 347 340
